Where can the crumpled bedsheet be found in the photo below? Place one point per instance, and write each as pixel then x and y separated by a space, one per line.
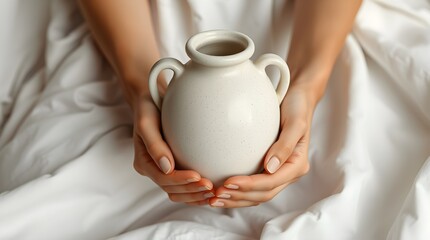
pixel 66 149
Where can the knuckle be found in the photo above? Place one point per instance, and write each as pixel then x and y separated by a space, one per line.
pixel 296 156
pixel 287 148
pixel 144 121
pixel 138 168
pixel 158 180
pixel 271 186
pixel 173 197
pixel 249 184
pixel 167 189
pixel 153 147
pixel 267 197
pixel 301 124
pixel 146 125
pixel 305 169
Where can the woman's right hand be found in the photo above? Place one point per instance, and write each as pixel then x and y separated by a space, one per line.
pixel 154 159
pixel 124 32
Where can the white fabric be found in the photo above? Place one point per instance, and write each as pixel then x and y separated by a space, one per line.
pixel 66 151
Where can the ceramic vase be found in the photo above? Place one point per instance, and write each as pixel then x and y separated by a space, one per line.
pixel 220 113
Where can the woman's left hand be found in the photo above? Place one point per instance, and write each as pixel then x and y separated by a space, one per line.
pixel 285 162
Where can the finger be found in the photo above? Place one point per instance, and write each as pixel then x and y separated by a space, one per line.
pixel 190 197
pixel 148 128
pixel 201 186
pixel 144 165
pixel 226 203
pixel 282 149
pixel 198 203
pixel 253 196
pixel 264 181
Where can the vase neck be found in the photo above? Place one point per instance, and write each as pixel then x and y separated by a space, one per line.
pixel 219 48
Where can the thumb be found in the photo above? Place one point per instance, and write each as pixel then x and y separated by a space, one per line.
pixel 282 149
pixel 156 146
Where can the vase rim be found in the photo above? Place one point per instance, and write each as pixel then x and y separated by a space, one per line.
pixel 211 39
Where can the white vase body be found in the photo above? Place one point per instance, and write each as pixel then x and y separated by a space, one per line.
pixel 220 113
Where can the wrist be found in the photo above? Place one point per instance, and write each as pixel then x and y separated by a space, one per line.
pixel 133 71
pixel 134 90
pixel 311 82
pixel 136 93
pixel 314 86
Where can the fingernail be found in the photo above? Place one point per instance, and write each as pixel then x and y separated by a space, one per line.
pixel 273 164
pixel 164 165
pixel 203 188
pixel 224 195
pixel 232 186
pixel 217 204
pixel 191 180
pixel 208 195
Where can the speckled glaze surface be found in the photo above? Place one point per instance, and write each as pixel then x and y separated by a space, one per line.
pixel 220 113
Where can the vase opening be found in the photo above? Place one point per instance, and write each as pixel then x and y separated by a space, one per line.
pixel 219 48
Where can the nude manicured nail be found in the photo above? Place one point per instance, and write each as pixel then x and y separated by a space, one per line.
pixel 217 204
pixel 164 165
pixel 224 195
pixel 208 195
pixel 273 164
pixel 191 180
pixel 231 186
pixel 203 188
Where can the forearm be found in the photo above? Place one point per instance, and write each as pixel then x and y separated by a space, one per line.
pixel 124 32
pixel 319 32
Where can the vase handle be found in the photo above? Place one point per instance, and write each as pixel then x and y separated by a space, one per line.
pixel 271 59
pixel 166 63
